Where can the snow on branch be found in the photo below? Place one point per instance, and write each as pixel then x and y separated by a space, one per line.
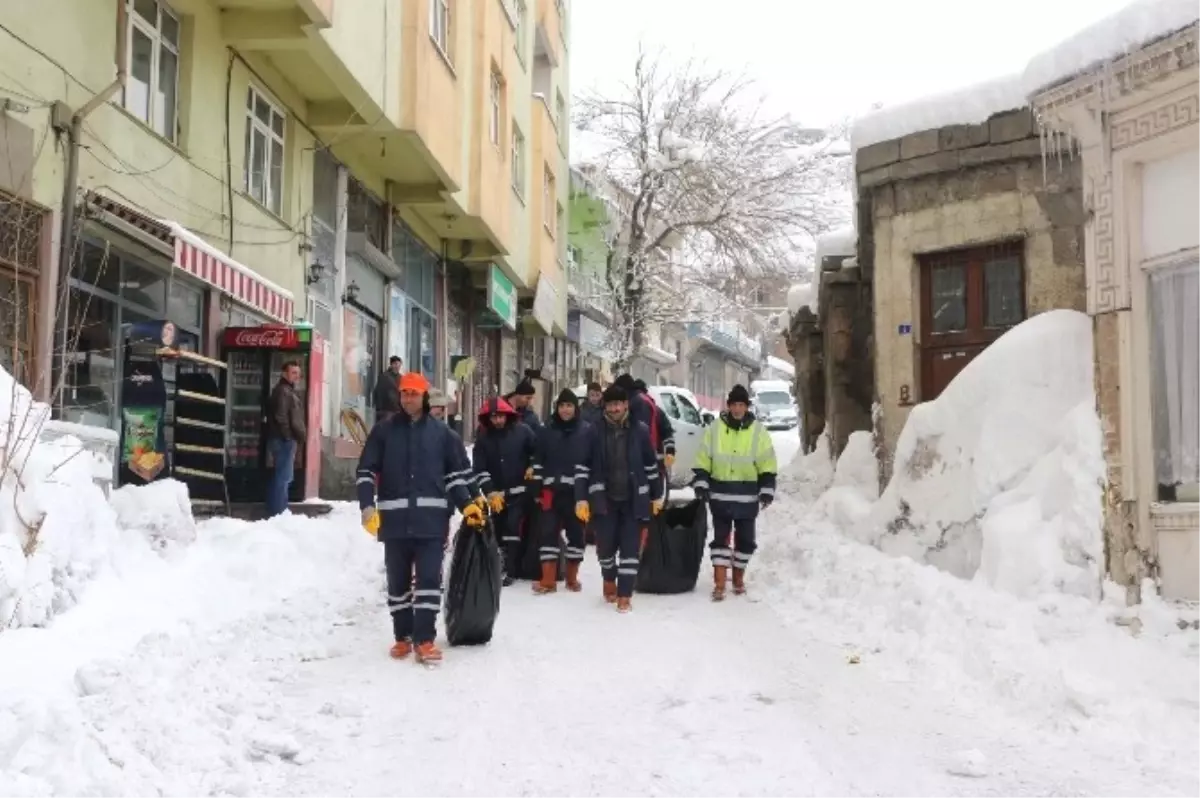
pixel 716 190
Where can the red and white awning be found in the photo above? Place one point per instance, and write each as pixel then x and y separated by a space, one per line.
pixel 196 257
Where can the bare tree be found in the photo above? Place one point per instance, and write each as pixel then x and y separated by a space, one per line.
pixel 731 191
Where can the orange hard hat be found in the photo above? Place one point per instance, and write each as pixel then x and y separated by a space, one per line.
pixel 414 381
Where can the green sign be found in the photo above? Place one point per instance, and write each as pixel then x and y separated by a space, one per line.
pixel 502 296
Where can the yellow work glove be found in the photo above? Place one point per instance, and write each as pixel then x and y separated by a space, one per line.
pixel 496 500
pixel 669 460
pixel 370 521
pixel 479 502
pixel 529 474
pixel 656 507
pixel 473 515
pixel 583 512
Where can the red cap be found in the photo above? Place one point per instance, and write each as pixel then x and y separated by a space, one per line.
pixel 414 381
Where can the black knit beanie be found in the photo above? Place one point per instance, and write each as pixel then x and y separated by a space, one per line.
pixel 625 383
pixel 615 393
pixel 567 397
pixel 525 388
pixel 738 394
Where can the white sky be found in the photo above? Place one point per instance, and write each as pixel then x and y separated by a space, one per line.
pixel 824 60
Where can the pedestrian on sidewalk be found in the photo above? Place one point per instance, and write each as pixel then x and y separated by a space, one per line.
pixel 503 460
pixel 520 400
pixel 624 492
pixel 387 389
pixel 421 470
pixel 564 446
pixel 285 432
pixel 592 410
pixel 735 473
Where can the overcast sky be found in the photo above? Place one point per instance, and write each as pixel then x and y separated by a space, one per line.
pixel 825 60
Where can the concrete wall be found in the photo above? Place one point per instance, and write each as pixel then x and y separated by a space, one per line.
pixel 953 187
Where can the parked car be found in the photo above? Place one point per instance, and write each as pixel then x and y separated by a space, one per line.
pixel 775 408
pixel 689 421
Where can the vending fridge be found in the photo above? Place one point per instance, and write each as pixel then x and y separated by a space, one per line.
pixel 255 356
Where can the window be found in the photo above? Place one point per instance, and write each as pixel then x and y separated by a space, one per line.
pixel 494 117
pixel 519 30
pixel 151 88
pixel 518 161
pixel 969 298
pixel 559 217
pixel 690 414
pixel 548 199
pixel 1174 291
pixel 264 152
pixel 560 117
pixel 439 25
pixel 667 402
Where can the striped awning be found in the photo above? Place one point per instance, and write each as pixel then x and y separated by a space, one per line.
pixel 198 259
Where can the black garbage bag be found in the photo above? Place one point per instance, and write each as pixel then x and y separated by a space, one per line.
pixel 473 595
pixel 530 558
pixel 674 550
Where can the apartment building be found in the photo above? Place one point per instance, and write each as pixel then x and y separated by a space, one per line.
pixel 392 173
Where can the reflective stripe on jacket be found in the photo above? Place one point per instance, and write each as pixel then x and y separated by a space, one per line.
pixel 736 465
pixel 422 473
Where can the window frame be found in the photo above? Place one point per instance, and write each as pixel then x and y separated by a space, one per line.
pixel 496 97
pixel 517 155
pixel 256 125
pixel 973 261
pixel 440 26
pixel 549 200
pixel 520 12
pixel 134 21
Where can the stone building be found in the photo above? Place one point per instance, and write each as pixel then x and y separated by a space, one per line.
pixel 964 231
pixel 1134 118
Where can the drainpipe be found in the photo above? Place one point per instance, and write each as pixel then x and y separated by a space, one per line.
pixel 74 133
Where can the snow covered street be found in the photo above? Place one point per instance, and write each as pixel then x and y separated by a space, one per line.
pixel 255 662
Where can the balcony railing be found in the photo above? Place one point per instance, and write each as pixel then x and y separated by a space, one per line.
pixel 727 336
pixel 589 292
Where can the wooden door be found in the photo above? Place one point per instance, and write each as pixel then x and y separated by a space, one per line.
pixel 969 298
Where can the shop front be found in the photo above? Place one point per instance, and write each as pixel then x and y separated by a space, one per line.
pixel 494 345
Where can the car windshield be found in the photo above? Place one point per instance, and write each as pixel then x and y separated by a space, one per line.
pixel 773 399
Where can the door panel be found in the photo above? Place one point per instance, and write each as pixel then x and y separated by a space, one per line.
pixel 688 430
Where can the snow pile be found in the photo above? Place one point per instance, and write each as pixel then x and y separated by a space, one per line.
pixel 843 241
pixel 801 295
pixel 1132 27
pixel 161 511
pixel 854 486
pixel 809 475
pixel 1009 454
pixel 56 529
pixel 970 105
pixel 92 705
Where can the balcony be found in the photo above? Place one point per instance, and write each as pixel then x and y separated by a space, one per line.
pixel 727 337
pixel 589 293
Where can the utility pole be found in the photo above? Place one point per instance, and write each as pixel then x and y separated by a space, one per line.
pixel 71 125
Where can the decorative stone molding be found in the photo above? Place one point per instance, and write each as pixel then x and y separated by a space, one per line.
pixel 1123 76
pixel 1172 115
pixel 1175 517
pixel 1107 284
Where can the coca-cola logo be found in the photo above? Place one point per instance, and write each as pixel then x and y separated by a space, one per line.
pixel 262 338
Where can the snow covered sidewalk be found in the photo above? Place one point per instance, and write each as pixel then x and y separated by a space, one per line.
pixel 257 664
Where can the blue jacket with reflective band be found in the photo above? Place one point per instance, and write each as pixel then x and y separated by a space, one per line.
pixel 423 475
pixel 563 456
pixel 644 482
pixel 501 456
pixel 736 465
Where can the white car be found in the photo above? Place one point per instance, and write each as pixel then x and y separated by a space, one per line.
pixel 775 409
pixel 681 407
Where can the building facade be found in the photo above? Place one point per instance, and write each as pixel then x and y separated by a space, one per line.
pixel 965 231
pixel 1134 118
pixel 393 174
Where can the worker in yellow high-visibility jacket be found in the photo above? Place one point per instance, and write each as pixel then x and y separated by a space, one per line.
pixel 735 474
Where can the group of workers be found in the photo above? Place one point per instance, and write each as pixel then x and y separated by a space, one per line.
pixel 597 468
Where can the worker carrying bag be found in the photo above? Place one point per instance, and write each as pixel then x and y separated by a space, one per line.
pixel 674 549
pixel 473 594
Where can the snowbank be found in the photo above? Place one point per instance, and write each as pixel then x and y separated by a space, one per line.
pixel 1132 27
pixel 90 705
pixel 160 511
pixel 1001 475
pixel 842 241
pixel 56 529
pixel 801 295
pixel 970 105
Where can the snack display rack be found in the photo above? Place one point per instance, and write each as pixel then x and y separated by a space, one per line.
pixel 173 417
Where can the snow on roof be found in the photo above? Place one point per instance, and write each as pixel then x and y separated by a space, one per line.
pixel 1134 26
pixel 781 365
pixel 842 241
pixel 966 106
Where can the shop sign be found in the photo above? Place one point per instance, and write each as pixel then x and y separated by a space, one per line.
pixel 502 296
pixel 545 305
pixel 261 337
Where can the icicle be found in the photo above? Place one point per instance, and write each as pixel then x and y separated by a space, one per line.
pixel 1042 141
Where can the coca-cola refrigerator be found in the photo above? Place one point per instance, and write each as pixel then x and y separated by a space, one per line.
pixel 255 356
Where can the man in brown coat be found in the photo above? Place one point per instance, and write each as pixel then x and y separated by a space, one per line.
pixel 285 431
